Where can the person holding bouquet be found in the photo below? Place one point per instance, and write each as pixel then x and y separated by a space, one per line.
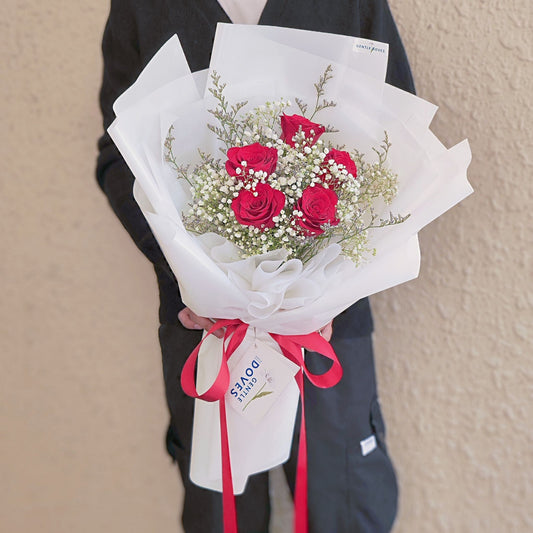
pixel 352 485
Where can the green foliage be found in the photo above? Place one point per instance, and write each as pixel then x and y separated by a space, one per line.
pixel 299 167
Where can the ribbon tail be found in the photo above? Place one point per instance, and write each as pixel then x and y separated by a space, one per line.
pixel 228 498
pixel 300 496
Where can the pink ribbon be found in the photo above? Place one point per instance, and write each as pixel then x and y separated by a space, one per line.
pixel 291 347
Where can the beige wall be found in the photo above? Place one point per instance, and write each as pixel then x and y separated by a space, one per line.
pixel 81 400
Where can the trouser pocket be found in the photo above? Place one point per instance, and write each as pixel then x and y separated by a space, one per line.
pixel 374 490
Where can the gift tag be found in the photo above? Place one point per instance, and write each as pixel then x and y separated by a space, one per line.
pixel 257 379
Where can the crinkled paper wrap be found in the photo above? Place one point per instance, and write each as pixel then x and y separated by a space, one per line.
pixel 260 63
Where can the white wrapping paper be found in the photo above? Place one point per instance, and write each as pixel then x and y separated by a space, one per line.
pixel 268 292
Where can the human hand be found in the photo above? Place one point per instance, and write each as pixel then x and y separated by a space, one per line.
pixel 327 331
pixel 191 320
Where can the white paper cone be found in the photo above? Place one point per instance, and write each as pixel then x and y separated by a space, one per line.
pixel 268 292
pixel 270 441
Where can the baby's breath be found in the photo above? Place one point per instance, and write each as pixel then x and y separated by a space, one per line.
pixel 298 167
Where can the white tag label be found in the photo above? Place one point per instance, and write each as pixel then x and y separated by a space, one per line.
pixel 368 445
pixel 369 47
pixel 257 379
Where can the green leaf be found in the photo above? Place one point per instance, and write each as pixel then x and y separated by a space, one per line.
pixel 261 394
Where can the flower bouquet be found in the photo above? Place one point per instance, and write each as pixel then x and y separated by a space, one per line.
pixel 280 187
pixel 281 191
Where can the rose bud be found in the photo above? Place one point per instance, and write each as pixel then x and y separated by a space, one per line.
pixel 292 124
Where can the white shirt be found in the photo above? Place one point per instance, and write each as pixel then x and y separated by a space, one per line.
pixel 243 11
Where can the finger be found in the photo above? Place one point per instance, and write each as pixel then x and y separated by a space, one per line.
pixel 219 332
pixel 327 331
pixel 186 319
pixel 191 320
pixel 206 323
pixel 202 321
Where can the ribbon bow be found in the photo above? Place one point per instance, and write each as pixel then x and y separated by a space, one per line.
pixel 291 347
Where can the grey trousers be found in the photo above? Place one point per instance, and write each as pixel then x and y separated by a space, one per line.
pixel 349 492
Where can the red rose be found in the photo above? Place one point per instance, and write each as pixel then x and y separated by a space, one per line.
pixel 292 124
pixel 342 158
pixel 318 206
pixel 257 157
pixel 257 208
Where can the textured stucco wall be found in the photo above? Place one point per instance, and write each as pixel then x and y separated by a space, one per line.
pixel 82 412
pixel 454 347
